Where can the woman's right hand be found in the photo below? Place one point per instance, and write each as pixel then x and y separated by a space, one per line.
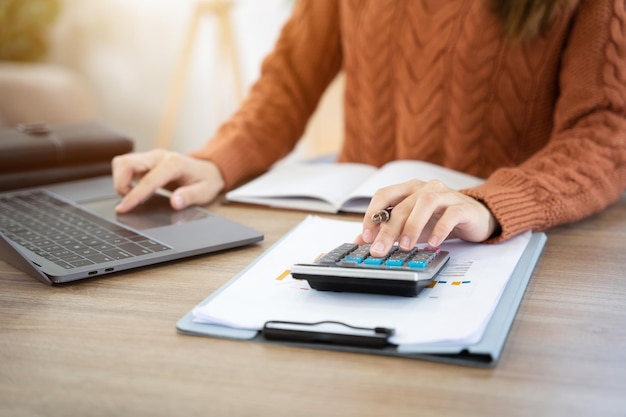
pixel 194 181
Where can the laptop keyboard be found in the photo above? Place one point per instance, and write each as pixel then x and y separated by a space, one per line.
pixel 68 235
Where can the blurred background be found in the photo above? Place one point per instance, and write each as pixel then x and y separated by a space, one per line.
pixel 117 61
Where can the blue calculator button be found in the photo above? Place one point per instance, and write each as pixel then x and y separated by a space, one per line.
pixel 357 259
pixel 373 261
pixel 394 262
pixel 417 264
pixel 352 255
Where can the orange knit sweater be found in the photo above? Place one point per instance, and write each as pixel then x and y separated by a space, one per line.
pixel 543 120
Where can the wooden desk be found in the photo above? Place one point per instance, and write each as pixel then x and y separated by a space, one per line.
pixel 110 347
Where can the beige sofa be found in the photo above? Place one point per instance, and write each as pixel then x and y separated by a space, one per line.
pixel 46 93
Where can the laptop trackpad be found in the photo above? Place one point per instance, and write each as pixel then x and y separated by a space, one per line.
pixel 154 212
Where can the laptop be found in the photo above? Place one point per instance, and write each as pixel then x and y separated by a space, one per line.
pixel 69 231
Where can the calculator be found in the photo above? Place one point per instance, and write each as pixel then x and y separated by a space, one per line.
pixel 351 268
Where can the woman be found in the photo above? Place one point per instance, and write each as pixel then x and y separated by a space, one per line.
pixel 530 95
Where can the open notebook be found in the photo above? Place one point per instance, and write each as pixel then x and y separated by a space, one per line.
pixel 335 187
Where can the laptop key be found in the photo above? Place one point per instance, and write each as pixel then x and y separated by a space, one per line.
pixel 83 262
pixel 118 254
pixel 135 249
pixel 99 258
pixel 64 264
pixel 153 246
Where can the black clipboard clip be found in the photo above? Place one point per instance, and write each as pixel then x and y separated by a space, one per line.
pixel 327 332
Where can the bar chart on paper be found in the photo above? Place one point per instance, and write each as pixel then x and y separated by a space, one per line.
pixel 452 281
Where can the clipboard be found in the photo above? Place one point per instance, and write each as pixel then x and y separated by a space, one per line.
pixel 485 353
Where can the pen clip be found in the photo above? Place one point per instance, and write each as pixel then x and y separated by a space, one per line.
pixel 327 332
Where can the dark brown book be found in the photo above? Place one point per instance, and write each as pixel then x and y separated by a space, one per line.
pixel 37 154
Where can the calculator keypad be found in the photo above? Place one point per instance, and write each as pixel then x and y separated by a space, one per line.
pixel 352 268
pixel 358 256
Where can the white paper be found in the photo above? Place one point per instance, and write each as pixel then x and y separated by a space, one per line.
pixel 455 310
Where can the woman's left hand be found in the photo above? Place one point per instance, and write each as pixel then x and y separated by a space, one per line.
pixel 425 211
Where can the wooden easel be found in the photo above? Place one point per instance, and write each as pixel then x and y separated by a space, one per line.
pixel 221 10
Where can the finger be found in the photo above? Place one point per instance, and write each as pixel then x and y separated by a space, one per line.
pixel 125 168
pixel 410 218
pixel 424 208
pixel 388 232
pixel 468 219
pixel 450 218
pixel 165 171
pixel 382 199
pixel 407 225
pixel 359 240
pixel 199 193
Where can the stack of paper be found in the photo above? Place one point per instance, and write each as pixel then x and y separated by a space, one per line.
pixel 455 309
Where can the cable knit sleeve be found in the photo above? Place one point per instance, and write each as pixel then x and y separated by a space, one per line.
pixel 583 167
pixel 306 58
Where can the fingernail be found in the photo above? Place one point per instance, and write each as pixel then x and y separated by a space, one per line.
pixel 120 206
pixel 178 202
pixel 405 242
pixel 434 240
pixel 378 247
pixel 368 236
